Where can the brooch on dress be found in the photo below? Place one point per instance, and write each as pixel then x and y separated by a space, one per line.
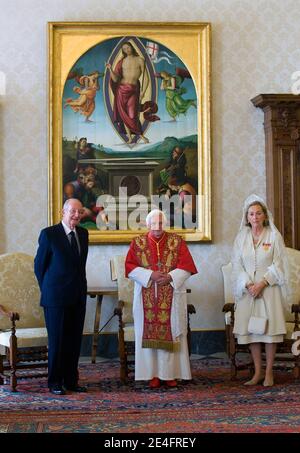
pixel 266 246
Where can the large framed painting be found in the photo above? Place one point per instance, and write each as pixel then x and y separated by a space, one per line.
pixel 129 119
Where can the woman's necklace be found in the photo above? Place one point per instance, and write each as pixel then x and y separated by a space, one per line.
pixel 159 264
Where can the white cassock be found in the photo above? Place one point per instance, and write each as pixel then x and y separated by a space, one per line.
pixel 160 363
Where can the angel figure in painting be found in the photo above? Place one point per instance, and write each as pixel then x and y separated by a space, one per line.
pixel 171 84
pixel 85 103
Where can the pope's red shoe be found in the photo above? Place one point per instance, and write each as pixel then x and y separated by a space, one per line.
pixel 154 383
pixel 171 383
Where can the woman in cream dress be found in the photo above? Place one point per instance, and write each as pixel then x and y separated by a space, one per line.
pixel 259 276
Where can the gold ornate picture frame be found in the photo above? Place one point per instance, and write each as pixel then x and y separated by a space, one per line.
pixel 129 125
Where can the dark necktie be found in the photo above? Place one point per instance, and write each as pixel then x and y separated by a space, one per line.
pixel 74 245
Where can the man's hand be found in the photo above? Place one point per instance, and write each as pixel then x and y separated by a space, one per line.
pixel 161 278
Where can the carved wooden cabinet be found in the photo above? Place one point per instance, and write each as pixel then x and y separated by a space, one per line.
pixel 282 144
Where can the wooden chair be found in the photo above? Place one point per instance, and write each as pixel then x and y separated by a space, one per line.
pixel 23 336
pixel 124 313
pixel 284 350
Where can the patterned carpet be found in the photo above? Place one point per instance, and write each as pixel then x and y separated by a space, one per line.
pixel 210 403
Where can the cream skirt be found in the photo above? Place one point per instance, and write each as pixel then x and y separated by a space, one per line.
pixel 246 339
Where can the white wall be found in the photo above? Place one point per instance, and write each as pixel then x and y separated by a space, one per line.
pixel 255 49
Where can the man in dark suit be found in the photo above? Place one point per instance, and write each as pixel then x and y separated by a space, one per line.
pixel 59 266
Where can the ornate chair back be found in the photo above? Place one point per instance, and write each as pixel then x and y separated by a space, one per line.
pixel 21 318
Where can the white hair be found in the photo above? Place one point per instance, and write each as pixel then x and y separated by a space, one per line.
pixel 156 212
pixel 68 201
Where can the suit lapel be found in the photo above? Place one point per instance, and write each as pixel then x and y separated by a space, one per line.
pixel 83 239
pixel 80 238
pixel 64 239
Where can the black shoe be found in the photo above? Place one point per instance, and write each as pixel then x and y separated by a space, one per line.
pixel 57 390
pixel 76 388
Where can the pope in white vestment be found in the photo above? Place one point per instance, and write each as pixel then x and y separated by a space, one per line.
pixel 160 263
